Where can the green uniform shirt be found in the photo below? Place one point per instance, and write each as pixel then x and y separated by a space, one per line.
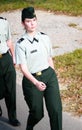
pixel 4 35
pixel 34 52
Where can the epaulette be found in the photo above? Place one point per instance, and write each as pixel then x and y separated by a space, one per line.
pixel 20 40
pixel 3 18
pixel 42 33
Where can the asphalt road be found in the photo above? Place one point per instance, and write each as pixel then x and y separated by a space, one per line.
pixel 69 122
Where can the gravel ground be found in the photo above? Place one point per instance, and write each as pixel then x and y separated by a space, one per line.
pixel 64 38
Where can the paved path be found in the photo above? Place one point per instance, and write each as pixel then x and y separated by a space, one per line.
pixel 69 122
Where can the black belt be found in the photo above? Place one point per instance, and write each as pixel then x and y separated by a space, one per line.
pixel 39 73
pixel 1 55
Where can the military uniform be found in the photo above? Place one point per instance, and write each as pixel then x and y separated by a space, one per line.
pixel 34 52
pixel 7 72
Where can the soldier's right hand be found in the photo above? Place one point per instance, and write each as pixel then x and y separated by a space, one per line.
pixel 40 85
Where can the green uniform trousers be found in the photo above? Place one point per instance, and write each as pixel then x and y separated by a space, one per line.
pixel 34 100
pixel 2 88
pixel 8 84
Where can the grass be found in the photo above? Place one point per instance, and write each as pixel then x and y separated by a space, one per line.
pixel 71 7
pixel 69 70
pixel 72 25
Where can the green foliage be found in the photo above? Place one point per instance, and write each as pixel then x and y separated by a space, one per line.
pixel 69 70
pixel 72 7
pixel 71 63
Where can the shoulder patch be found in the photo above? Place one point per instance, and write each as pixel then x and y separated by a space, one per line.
pixel 42 33
pixel 3 18
pixel 20 40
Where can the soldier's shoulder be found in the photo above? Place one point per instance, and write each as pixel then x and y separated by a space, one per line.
pixel 20 40
pixel 43 33
pixel 3 18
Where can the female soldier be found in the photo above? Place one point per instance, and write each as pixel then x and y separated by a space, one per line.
pixel 33 54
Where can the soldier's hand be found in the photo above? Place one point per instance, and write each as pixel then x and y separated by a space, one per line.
pixel 41 86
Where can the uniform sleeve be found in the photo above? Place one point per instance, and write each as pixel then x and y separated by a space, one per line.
pixel 8 31
pixel 50 52
pixel 20 54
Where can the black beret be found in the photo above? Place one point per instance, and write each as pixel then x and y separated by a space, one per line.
pixel 28 12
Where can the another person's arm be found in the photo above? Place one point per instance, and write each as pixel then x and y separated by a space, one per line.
pixel 9 43
pixel 11 49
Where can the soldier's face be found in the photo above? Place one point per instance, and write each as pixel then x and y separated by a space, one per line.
pixel 30 24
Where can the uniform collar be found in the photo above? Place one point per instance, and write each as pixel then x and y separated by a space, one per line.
pixel 32 39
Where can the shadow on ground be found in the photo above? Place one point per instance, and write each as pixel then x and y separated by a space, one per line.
pixel 4 124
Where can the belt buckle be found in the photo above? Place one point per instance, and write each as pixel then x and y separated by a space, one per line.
pixel 0 55
pixel 39 73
